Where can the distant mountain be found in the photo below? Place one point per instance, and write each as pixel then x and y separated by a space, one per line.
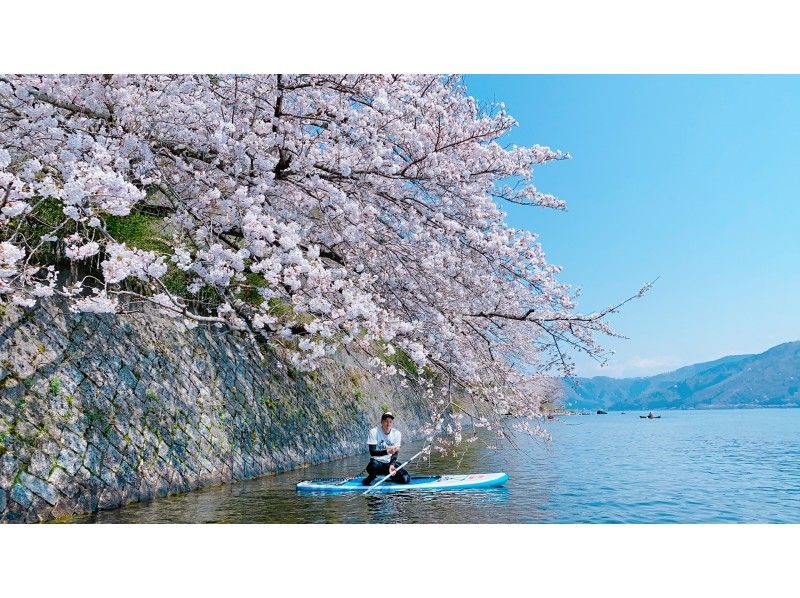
pixel 769 379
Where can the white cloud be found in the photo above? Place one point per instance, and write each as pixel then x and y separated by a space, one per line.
pixel 635 366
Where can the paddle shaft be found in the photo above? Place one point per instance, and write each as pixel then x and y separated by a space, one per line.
pixel 391 474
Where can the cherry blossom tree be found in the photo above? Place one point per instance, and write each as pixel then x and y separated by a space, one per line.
pixel 317 211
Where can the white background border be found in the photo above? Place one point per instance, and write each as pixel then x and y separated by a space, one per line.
pixel 411 36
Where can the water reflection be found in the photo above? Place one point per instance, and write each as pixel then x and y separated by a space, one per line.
pixel 719 466
pixel 433 507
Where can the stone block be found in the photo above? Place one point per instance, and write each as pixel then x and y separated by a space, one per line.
pixel 14 513
pixel 21 495
pixel 13 391
pixel 27 431
pixel 86 479
pixel 179 484
pixel 51 448
pixel 65 483
pixel 8 469
pixel 33 516
pixel 108 477
pixel 23 368
pixel 99 441
pixel 109 498
pixel 74 442
pixel 23 453
pixel 127 476
pixel 162 487
pixel 145 491
pixel 127 377
pixel 85 503
pixel 39 487
pixel 71 378
pixel 113 458
pixel 123 428
pixel 64 508
pixel 76 424
pixel 92 459
pixel 69 461
pixel 40 465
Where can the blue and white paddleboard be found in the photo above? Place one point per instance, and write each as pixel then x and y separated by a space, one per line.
pixel 442 482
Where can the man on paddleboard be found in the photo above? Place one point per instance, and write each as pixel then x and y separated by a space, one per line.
pixel 384 443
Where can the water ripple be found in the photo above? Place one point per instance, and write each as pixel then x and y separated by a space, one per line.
pixel 688 467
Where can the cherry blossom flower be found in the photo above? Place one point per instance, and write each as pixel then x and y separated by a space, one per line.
pixel 319 211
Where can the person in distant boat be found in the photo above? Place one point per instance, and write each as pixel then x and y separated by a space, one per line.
pixel 384 444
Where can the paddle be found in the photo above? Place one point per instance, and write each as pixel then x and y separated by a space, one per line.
pixel 358 475
pixel 391 474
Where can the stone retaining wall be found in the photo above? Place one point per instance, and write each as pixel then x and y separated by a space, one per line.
pixel 100 411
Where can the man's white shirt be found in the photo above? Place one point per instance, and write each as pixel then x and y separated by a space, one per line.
pixel 384 441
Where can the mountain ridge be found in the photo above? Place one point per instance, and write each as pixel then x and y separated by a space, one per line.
pixel 767 379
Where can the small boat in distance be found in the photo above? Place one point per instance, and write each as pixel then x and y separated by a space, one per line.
pixel 650 416
pixel 601 412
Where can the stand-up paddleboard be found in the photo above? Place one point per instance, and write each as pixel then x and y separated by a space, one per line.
pixel 442 482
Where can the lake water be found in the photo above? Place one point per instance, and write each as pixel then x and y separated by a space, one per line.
pixel 720 466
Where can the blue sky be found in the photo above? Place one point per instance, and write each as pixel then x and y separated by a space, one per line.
pixel 693 179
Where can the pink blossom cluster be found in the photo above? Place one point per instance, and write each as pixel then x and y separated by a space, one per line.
pixel 320 211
